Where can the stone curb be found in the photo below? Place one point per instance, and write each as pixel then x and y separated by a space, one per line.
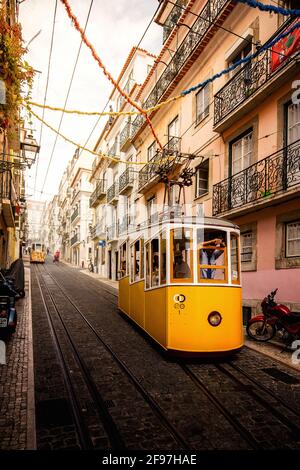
pixel 31 429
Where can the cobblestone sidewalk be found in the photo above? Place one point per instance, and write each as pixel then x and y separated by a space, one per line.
pixel 17 421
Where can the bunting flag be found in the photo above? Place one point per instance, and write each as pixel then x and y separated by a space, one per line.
pixel 285 47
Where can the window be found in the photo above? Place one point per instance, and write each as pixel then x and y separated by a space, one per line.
pixel 292 123
pixel 241 151
pixel 137 268
pixel 151 151
pixel 163 258
pixel 240 54
pixel 152 214
pixel 234 250
pixel 173 129
pixel 293 239
pixel 202 179
pixel 123 260
pixel 181 260
pixel 202 104
pixel 154 262
pixel 246 247
pixel 212 251
pixel 147 248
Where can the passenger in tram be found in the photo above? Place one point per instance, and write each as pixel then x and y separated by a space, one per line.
pixel 213 256
pixel 155 270
pixel 181 267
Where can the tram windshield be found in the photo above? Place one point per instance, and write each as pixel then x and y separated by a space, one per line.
pixel 212 251
pixel 37 247
pixel 181 251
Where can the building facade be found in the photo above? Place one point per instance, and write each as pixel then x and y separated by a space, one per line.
pixel 237 138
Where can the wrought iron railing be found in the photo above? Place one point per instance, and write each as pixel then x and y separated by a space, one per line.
pixel 246 82
pixel 277 172
pixel 74 239
pixel 98 192
pixel 75 214
pixel 97 230
pixel 113 150
pixel 126 179
pixel 112 192
pixel 206 19
pixel 162 162
pixel 172 19
pixel 125 134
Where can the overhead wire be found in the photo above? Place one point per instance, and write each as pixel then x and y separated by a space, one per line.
pixel 46 90
pixel 67 96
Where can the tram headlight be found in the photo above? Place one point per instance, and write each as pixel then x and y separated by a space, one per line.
pixel 214 318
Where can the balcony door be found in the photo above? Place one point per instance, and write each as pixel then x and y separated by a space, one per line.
pixel 290 155
pixel 173 133
pixel 240 158
pixel 292 120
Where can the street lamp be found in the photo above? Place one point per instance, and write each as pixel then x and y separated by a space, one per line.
pixel 30 149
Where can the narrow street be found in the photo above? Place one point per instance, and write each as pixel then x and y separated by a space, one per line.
pixel 100 383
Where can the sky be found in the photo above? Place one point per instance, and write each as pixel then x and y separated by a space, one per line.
pixel 114 28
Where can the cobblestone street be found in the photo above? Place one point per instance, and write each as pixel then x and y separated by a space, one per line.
pixel 101 383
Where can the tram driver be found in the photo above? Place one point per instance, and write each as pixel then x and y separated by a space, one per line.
pixel 212 255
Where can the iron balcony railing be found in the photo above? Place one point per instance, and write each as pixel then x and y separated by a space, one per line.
pixel 126 179
pixel 206 20
pixel 113 150
pixel 75 214
pixel 162 162
pixel 74 239
pixel 112 192
pixel 247 81
pixel 98 192
pixel 277 172
pixel 125 134
pixel 97 230
pixel 172 19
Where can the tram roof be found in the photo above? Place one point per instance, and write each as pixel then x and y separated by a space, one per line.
pixel 205 221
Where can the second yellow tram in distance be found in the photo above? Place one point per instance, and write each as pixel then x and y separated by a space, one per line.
pixel 180 281
pixel 37 253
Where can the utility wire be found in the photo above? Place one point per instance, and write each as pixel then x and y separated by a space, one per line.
pixel 67 97
pixel 139 43
pixel 46 91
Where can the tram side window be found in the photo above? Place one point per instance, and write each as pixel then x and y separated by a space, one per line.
pixel 163 258
pixel 148 285
pixel 154 262
pixel 181 248
pixel 137 260
pixel 234 249
pixel 212 251
pixel 123 260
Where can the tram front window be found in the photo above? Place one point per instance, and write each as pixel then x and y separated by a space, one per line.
pixel 181 240
pixel 212 251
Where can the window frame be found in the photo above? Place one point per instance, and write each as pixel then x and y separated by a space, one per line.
pixel 287 240
pixel 238 239
pixel 200 266
pixel 189 280
pixel 205 112
pixel 121 259
pixel 231 144
pixel 198 168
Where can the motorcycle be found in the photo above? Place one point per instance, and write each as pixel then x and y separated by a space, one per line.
pixel 55 258
pixel 275 318
pixel 8 314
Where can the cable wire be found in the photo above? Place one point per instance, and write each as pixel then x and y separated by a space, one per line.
pixel 67 96
pixel 46 90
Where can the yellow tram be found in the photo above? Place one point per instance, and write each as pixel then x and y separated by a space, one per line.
pixel 37 253
pixel 180 280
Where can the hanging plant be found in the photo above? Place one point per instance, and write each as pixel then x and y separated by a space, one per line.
pixel 15 73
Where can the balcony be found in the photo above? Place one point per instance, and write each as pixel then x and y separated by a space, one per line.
pixel 113 152
pixel 112 193
pixel 161 164
pixel 75 214
pixel 98 193
pixel 75 239
pixel 250 85
pixel 172 19
pixel 277 175
pixel 98 231
pixel 126 180
pixel 125 137
pixel 205 26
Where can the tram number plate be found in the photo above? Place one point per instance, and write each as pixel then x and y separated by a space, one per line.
pixel 3 322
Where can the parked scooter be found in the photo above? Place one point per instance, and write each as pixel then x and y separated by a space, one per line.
pixel 56 256
pixel 8 314
pixel 275 318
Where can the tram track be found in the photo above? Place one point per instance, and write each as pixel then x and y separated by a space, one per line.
pixel 79 418
pixel 156 409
